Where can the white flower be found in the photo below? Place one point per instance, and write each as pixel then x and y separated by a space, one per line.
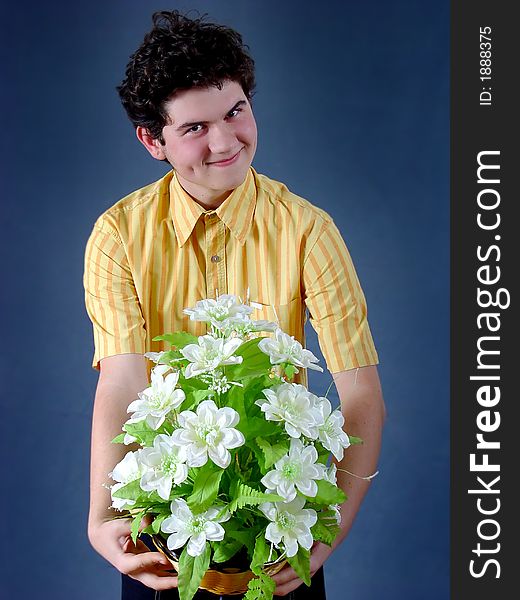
pixel 126 471
pixel 331 433
pixel 242 325
pixel 208 432
pixel 285 349
pixel 297 469
pixel 158 400
pixel 184 525
pixel 217 311
pixel 210 353
pixel 337 515
pixel 290 524
pixel 293 404
pixel 330 474
pixel 166 464
pixel 155 356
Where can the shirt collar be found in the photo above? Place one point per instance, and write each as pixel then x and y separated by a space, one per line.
pixel 236 211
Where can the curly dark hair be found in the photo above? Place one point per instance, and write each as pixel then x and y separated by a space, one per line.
pixel 177 54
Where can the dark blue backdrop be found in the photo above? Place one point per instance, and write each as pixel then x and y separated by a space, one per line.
pixel 352 109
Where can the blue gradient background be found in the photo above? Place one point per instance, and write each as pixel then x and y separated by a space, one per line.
pixel 352 108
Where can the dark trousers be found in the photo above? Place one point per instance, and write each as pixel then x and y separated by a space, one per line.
pixel 135 590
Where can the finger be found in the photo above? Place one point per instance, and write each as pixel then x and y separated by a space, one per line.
pixel 157 582
pixel 132 564
pixel 286 588
pixel 285 575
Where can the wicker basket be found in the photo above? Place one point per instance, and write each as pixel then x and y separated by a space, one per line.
pixel 229 581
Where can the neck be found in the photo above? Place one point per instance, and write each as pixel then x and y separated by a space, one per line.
pixel 207 198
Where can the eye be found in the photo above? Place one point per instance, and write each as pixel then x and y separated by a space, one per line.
pixel 195 129
pixel 234 112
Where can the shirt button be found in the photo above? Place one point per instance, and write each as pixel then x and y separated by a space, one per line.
pixel 215 258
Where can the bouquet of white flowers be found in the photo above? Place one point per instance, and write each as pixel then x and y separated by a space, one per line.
pixel 233 457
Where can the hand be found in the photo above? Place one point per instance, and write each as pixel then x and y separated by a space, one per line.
pixel 286 580
pixel 112 540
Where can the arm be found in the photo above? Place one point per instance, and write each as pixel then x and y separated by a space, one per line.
pixel 121 378
pixel 364 410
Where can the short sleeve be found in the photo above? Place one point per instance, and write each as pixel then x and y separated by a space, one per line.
pixel 110 297
pixel 336 303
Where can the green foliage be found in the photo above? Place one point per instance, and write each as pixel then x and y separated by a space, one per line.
pixel 134 529
pixel 258 426
pixel 255 362
pixel 272 453
pixel 119 439
pixel 355 440
pixel 179 339
pixel 194 398
pixel 133 491
pixel 225 550
pixel 326 527
pixel 290 370
pixel 156 525
pixel 247 496
pixel 205 487
pixel 191 572
pixel 261 588
pixel 328 493
pixel 142 431
pixel 260 554
pixel 302 565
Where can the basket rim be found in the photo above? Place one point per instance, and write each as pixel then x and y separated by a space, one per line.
pixel 173 557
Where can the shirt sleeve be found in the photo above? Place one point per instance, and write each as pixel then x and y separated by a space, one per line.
pixel 110 297
pixel 336 303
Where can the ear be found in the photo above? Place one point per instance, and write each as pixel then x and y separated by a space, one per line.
pixel 154 147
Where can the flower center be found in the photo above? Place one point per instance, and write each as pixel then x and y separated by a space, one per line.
pixel 208 434
pixel 292 470
pixel 158 401
pixel 286 520
pixel 218 313
pixel 330 429
pixel 197 524
pixel 169 464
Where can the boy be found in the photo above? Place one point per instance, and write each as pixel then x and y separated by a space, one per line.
pixel 212 226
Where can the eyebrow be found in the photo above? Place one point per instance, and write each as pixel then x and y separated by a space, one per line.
pixel 188 125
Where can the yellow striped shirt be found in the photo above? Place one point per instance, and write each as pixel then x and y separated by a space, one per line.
pixel 157 251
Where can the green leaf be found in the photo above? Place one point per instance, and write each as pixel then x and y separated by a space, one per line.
pixel 354 440
pixel 134 530
pixel 261 588
pixel 205 487
pixel 194 398
pixel 290 371
pixel 131 491
pixel 235 400
pixel 258 426
pixel 119 439
pixel 325 529
pixel 246 496
pixel 142 431
pixel 260 554
pixel 246 536
pixel 156 525
pixel 255 362
pixel 225 550
pixel 328 493
pixel 272 453
pixel 191 572
pixel 301 563
pixel 179 339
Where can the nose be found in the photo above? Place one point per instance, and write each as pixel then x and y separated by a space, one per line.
pixel 222 139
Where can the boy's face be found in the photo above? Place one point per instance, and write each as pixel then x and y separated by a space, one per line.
pixel 210 140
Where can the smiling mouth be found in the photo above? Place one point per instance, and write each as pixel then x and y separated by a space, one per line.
pixel 226 161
